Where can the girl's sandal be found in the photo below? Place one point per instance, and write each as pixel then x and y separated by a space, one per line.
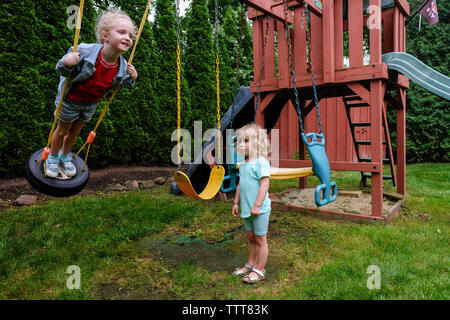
pixel 240 272
pixel 261 275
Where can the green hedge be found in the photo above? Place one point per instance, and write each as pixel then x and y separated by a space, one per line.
pixel 138 125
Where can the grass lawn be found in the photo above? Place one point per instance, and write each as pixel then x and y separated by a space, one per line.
pixel 153 245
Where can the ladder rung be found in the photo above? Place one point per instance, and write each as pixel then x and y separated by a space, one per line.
pixel 385 177
pixel 354 105
pixel 360 124
pixel 365 142
pixel 351 98
pixel 385 160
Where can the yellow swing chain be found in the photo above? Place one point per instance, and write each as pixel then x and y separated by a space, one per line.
pixel 178 85
pixel 219 148
pixel 130 60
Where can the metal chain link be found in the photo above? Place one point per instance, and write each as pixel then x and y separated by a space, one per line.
pixel 310 63
pixel 178 85
pixel 219 148
pixel 238 60
pixel 262 68
pixel 291 65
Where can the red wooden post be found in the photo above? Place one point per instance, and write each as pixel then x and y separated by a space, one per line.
pixel 328 41
pixel 283 57
pixel 299 44
pixel 375 32
pixel 376 98
pixel 355 32
pixel 396 30
pixel 257 47
pixel 401 142
pixel 269 55
pixel 302 182
pixel 338 34
pixel 387 30
pixel 317 44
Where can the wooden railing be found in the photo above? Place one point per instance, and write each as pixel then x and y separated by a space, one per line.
pixel 384 30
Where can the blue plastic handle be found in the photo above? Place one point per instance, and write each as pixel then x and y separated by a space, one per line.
pixel 321 168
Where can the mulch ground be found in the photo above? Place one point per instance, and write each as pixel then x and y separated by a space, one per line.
pixel 100 179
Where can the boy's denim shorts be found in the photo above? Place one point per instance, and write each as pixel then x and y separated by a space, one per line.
pixel 71 111
pixel 258 225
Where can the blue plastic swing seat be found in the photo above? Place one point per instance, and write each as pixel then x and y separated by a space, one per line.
pixel 321 168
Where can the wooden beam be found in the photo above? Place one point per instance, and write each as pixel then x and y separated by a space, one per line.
pixel 312 6
pixel 334 165
pixel 403 6
pixel 266 101
pixel 275 12
pixel 325 213
pixel 394 102
pixel 358 89
pixel 370 72
pixel 403 81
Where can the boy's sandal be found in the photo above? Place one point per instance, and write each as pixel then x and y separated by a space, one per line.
pixel 240 272
pixel 261 275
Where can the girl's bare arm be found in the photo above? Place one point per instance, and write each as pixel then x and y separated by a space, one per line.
pixel 262 191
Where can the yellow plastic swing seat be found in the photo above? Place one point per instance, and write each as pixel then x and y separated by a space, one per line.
pixel 288 173
pixel 211 189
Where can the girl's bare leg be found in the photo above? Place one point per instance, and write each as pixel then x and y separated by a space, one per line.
pixel 72 135
pixel 58 136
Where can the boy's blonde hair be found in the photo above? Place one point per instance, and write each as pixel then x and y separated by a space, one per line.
pixel 106 19
pixel 261 143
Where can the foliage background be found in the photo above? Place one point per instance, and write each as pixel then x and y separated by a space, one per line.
pixel 138 125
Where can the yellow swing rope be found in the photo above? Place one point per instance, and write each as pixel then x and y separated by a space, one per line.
pixel 58 109
pixel 130 60
pixel 178 104
pixel 218 111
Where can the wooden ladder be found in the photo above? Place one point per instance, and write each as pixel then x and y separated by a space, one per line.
pixel 355 101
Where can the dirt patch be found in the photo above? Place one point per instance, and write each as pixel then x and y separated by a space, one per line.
pixel 99 180
pixel 213 257
pixel 361 204
pixel 224 255
pixel 115 292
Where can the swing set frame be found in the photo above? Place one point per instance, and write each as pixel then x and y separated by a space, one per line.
pixel 369 84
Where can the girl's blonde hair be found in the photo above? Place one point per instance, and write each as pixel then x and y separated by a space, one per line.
pixel 106 20
pixel 261 141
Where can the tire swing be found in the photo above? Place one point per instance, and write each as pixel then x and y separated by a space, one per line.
pixel 64 186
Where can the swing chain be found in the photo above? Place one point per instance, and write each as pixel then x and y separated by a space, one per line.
pixel 291 65
pixel 306 14
pixel 262 67
pixel 238 59
pixel 219 148
pixel 178 86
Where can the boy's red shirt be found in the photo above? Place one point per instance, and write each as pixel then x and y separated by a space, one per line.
pixel 94 88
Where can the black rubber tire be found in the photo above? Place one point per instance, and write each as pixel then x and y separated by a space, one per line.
pixel 55 187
